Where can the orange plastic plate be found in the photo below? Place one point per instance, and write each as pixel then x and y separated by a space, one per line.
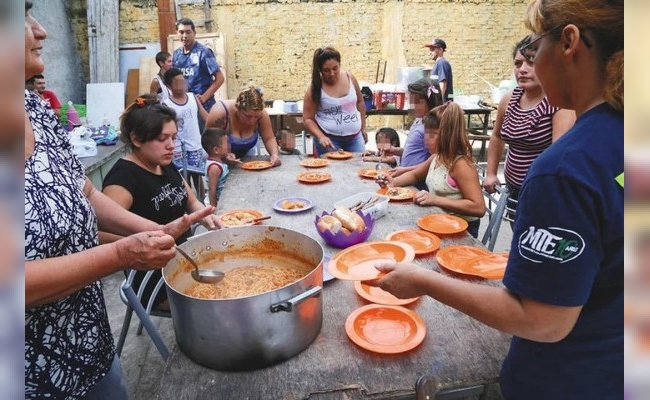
pixel 492 266
pixel 454 258
pixel 385 329
pixel 256 165
pixel 357 263
pixel 239 217
pixel 314 162
pixel 401 194
pixel 314 177
pixel 380 296
pixel 442 224
pixel 339 155
pixel 423 242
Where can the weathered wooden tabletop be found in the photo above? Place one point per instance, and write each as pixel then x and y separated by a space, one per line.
pixel 458 351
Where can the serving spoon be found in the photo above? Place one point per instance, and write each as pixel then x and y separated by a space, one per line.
pixel 202 275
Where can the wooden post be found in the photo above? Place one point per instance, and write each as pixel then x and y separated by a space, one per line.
pixel 103 40
pixel 166 22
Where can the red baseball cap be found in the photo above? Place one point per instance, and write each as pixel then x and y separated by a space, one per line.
pixel 437 43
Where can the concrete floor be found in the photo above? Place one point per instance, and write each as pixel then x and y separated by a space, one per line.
pixel 142 364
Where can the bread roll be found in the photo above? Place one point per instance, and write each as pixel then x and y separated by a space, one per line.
pixel 349 219
pixel 328 222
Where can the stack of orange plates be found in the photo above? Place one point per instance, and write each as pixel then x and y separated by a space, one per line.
pixel 385 329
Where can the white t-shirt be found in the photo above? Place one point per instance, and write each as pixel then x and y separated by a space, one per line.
pixel 338 116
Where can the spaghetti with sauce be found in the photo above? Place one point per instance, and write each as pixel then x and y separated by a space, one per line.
pixel 248 281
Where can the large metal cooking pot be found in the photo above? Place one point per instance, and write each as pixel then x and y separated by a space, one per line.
pixel 248 332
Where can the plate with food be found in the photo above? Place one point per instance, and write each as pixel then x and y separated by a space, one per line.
pixel 314 162
pixel 240 217
pixel 357 263
pixel 423 242
pixel 292 204
pixel 339 155
pixel 314 177
pixel 397 193
pixel 442 224
pixel 455 257
pixel 491 266
pixel 371 173
pixel 380 296
pixel 256 165
pixel 385 329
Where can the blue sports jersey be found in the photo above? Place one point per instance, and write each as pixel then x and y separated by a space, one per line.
pixel 567 250
pixel 198 66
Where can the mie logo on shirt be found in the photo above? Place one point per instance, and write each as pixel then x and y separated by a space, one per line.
pixel 555 244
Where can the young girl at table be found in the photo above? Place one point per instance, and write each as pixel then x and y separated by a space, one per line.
pixel 215 143
pixel 145 182
pixel 385 138
pixel 449 173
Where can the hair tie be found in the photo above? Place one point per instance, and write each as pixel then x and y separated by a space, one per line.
pixel 432 90
pixel 140 102
pixel 258 90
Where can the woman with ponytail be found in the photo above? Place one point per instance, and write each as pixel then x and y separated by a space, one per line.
pixel 563 299
pixel 334 112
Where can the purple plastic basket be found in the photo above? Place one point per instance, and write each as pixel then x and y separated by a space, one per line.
pixel 341 240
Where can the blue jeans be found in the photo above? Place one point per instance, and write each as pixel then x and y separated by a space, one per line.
pixel 111 386
pixel 354 144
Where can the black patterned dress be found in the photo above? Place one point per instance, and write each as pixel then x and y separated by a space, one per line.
pixel 68 343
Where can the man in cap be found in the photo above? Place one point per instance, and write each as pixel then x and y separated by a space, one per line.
pixel 441 68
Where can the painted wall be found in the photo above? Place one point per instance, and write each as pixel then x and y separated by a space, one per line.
pixel 63 66
pixel 272 41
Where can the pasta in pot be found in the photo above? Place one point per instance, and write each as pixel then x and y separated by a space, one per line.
pixel 248 281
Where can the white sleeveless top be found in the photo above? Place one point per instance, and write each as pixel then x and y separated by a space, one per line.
pixel 164 90
pixel 338 116
pixel 437 181
pixel 187 122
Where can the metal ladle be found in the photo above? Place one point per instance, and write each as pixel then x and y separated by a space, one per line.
pixel 202 275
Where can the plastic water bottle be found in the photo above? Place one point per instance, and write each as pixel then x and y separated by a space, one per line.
pixel 73 117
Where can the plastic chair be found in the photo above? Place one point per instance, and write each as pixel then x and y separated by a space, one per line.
pixel 133 303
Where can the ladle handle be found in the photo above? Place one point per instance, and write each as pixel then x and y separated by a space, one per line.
pixel 187 256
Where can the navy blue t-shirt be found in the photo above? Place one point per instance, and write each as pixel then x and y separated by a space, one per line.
pixel 567 250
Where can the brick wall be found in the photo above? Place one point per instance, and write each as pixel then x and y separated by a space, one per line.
pixel 272 42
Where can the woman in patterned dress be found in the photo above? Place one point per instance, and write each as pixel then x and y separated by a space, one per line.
pixel 69 349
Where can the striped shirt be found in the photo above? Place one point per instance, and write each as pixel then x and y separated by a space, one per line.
pixel 527 133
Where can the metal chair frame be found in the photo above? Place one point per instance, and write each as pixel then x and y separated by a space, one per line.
pixel 132 300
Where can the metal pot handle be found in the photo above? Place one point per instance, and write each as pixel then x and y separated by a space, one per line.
pixel 288 305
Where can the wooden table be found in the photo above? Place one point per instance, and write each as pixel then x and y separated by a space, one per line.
pixel 462 354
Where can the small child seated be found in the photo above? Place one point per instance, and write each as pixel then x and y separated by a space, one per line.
pixel 287 141
pixel 215 143
pixel 385 138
